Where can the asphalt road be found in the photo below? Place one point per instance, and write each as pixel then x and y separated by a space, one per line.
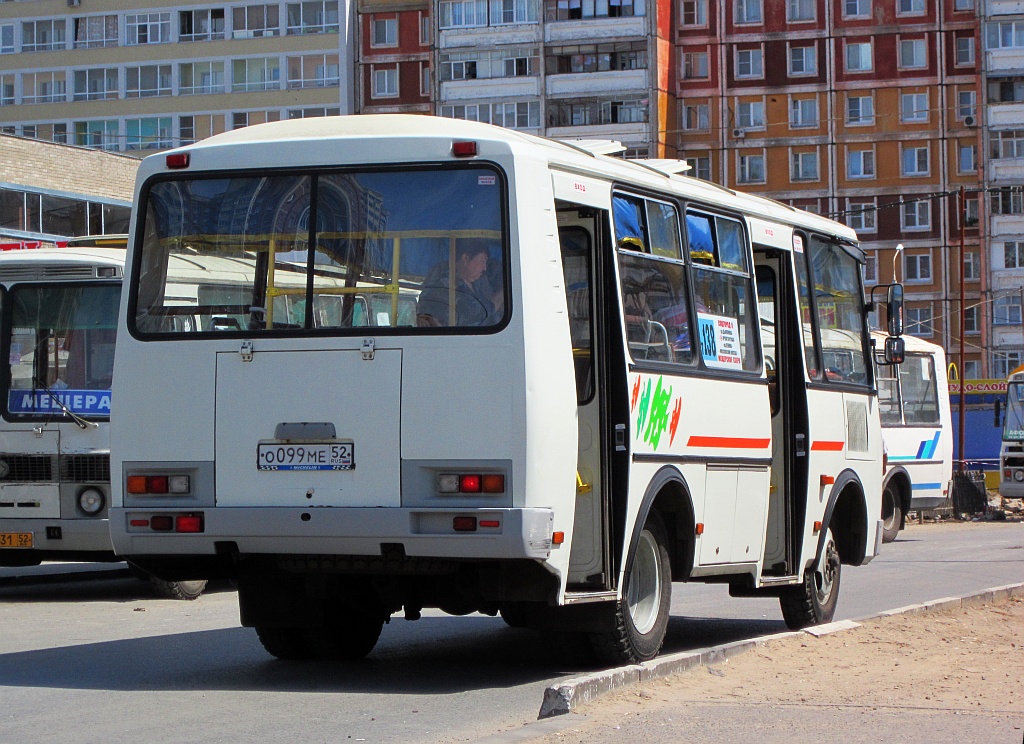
pixel 100 659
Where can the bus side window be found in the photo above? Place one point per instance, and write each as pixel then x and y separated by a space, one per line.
pixel 575 244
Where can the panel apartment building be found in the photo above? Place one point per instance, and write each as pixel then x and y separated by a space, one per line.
pixel 863 110
pixel 151 75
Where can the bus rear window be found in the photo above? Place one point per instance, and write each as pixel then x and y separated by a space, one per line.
pixel 410 250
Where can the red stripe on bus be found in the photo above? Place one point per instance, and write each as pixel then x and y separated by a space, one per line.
pixel 729 442
pixel 827 446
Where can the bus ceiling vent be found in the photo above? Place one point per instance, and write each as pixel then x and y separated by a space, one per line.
pixel 178 160
pixel 464 149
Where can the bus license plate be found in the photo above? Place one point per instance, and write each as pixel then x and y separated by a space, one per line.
pixel 15 539
pixel 306 456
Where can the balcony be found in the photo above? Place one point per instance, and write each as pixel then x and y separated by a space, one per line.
pixel 1005 114
pixel 489 36
pixel 487 88
pixel 1005 60
pixel 1008 170
pixel 1007 225
pixel 593 83
pixel 1003 7
pixel 631 132
pixel 594 30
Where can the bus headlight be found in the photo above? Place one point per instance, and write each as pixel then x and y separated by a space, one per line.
pixel 91 501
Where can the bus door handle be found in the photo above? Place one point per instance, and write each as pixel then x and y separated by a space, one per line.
pixel 800 448
pixel 620 437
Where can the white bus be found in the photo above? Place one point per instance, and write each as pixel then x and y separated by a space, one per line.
pixel 553 403
pixel 917 427
pixel 59 323
pixel 1011 452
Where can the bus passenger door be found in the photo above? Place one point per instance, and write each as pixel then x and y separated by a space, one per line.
pixel 579 234
pixel 783 348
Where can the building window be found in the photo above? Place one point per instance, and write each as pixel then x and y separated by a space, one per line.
pixel 749 11
pixel 147 81
pixel 972 265
pixel 871 267
pixel 803 61
pixel 312 17
pixel 749 63
pixel 95 31
pixel 964 51
pixel 918 267
pixel 1009 90
pixel 699 167
pixel 263 73
pixel 961 6
pixel 919 321
pixel 860 164
pixel 695 12
pixel 1006 310
pixel 313 112
pixel 1004 35
pixel 916 216
pixel 505 12
pixel 462 13
pixel 7 45
pixel 750 114
pixel 1007 144
pixel 971 205
pixel 971 320
pixel 966 103
pixel 858 56
pixel 424 30
pixel 856 8
pixel 424 79
pixel 385 32
pixel 910 7
pixel 695 65
pixel 913 54
pixel 43 87
pixel 915 161
pixel 96 85
pixel 385 82
pixel 511 115
pixel 98 134
pixel 255 21
pixel 147 28
pixel 913 107
pixel 314 71
pixel 697 117
pixel 148 134
pixel 1003 362
pixel 7 90
pixel 750 169
pixel 860 109
pixel 804 166
pixel 861 216
pixel 201 25
pixel 800 10
pixel 1007 201
pixel 60 133
pixel 803 112
pixel 200 77
pixel 967 158
pixel 1013 254
pixel 43 36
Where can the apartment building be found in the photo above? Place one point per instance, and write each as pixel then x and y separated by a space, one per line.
pixel 393 69
pixel 1003 71
pixel 570 69
pixel 864 110
pixel 144 76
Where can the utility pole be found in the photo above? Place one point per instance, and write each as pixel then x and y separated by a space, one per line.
pixel 963 397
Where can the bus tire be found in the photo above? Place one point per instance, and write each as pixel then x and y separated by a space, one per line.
pixel 514 615
pixel 814 601
pixel 347 635
pixel 284 643
pixel 892 514
pixel 186 590
pixel 641 617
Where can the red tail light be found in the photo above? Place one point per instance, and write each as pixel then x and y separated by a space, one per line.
pixel 464 149
pixel 162 523
pixel 188 523
pixel 470 484
pixel 178 160
pixel 464 524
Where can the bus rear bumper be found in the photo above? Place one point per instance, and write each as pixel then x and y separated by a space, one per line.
pixel 430 533
pixel 53 537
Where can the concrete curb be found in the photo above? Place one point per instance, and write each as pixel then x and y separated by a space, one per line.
pixel 566 696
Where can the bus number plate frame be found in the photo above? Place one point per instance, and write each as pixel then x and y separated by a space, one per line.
pixel 16 540
pixel 333 455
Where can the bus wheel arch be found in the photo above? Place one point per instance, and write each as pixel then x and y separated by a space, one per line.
pixel 895 503
pixel 846 516
pixel 669 495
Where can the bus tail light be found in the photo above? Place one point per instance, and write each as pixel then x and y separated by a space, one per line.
pixel 142 485
pixel 471 483
pixel 464 524
pixel 188 523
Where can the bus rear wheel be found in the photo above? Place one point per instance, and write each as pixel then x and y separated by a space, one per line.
pixel 348 634
pixel 187 590
pixel 892 514
pixel 641 617
pixel 284 643
pixel 814 601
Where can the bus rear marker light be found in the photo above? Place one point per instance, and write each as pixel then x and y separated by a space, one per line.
pixel 817 527
pixel 827 480
pixel 464 149
pixel 490 523
pixel 139 523
pixel 178 160
pixel 700 528
pixel 557 538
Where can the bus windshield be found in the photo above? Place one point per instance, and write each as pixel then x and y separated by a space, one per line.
pixel 410 250
pixel 1013 425
pixel 62 346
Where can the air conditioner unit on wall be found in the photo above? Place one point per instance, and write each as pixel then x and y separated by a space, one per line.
pixel 739 133
pixel 970 121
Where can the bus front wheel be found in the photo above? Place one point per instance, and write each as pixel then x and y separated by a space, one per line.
pixel 892 514
pixel 814 601
pixel 641 617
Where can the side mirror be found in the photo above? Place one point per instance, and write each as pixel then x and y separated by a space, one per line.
pixel 997 407
pixel 894 310
pixel 894 350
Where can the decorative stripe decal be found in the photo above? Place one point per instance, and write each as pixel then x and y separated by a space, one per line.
pixel 925 486
pixel 728 442
pixel 820 446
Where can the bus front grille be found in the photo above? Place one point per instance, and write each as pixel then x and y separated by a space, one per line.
pixel 26 468
pixel 85 468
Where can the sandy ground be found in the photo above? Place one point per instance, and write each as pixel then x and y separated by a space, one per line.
pixel 953 676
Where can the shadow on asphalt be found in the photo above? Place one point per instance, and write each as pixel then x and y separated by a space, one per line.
pixel 108 586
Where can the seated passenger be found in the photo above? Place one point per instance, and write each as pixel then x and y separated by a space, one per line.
pixel 476 302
